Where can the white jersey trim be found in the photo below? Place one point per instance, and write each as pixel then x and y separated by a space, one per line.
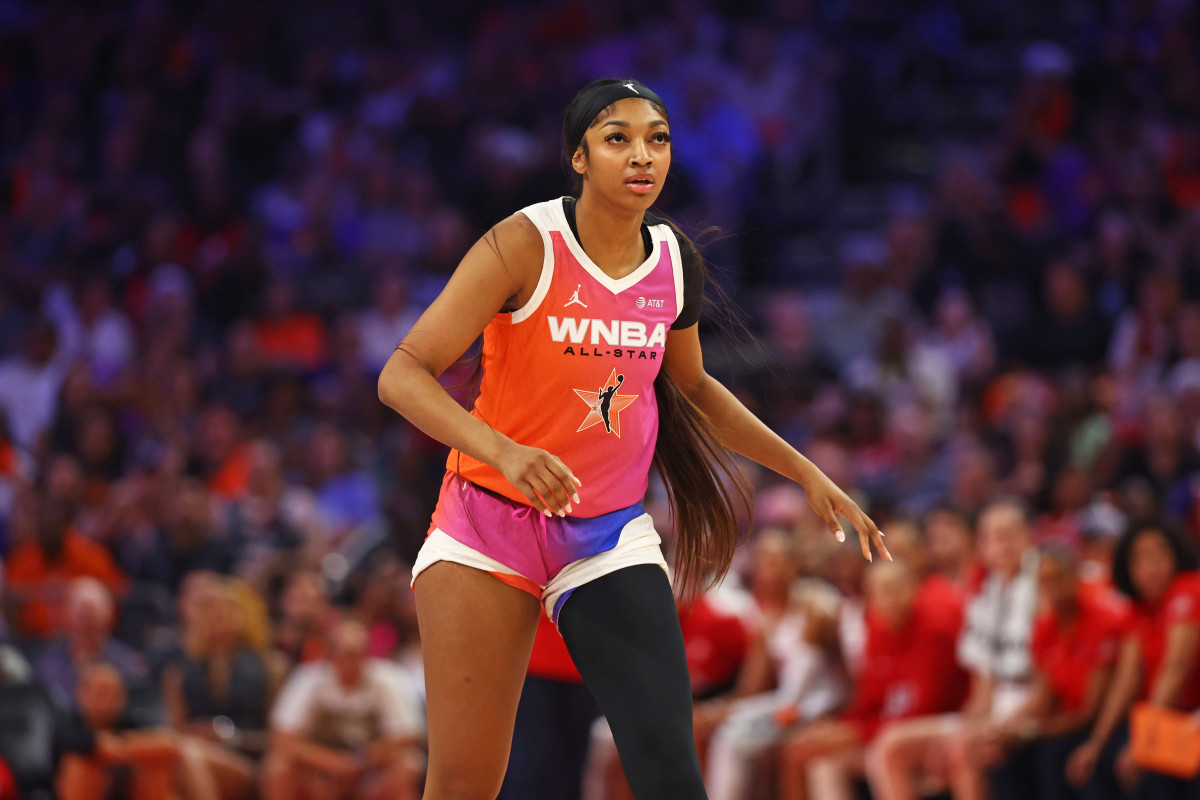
pixel 543 221
pixel 676 268
pixel 614 285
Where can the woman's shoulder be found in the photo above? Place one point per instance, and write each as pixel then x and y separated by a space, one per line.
pixel 517 239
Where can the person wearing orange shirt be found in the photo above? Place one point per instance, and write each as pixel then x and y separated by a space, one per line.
pixel 39 570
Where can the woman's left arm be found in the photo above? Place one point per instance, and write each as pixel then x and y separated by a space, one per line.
pixel 748 435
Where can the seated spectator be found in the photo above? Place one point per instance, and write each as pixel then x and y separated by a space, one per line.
pixel 939 598
pixel 346 727
pixel 271 521
pixel 951 547
pixel 1159 662
pixel 186 541
pixel 300 633
pixel 376 604
pixel 1074 647
pixel 102 755
pixel 809 682
pixel 388 320
pixel 773 635
pixel 40 569
pixel 220 454
pixel 219 694
pixel 994 648
pixel 348 499
pixel 287 336
pixel 908 669
pixel 86 639
pixel 170 645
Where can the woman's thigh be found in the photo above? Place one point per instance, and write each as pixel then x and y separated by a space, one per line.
pixel 476 636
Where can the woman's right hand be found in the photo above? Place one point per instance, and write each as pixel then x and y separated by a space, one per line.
pixel 541 476
pixel 1082 763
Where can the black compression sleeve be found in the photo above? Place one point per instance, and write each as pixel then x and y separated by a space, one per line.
pixel 623 634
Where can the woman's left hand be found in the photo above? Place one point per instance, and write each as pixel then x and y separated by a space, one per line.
pixel 828 501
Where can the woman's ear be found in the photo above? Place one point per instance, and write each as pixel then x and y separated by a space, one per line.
pixel 579 160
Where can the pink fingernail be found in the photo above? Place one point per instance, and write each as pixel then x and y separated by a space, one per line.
pixel 575 498
pixel 841 537
pixel 562 513
pixel 546 511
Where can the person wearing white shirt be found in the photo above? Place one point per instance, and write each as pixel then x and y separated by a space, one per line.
pixel 346 727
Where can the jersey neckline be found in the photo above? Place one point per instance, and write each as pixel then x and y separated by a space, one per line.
pixel 614 285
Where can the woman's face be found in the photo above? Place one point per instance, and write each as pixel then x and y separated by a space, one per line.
pixel 628 154
pixel 1056 584
pixel 1151 565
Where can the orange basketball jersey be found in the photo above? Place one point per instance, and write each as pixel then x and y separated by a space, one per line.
pixel 572 371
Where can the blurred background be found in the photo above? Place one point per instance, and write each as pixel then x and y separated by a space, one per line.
pixel 964 237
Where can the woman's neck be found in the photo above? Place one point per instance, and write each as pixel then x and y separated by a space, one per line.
pixel 611 236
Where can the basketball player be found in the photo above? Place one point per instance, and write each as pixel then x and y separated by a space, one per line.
pixel 541 502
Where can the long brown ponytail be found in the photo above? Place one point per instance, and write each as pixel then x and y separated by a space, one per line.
pixel 705 488
pixel 707 491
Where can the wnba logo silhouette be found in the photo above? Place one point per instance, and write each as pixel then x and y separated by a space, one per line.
pixel 605 406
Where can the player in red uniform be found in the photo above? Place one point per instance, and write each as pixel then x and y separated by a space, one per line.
pixel 1159 662
pixel 1074 647
pixel 541 503
pixel 908 670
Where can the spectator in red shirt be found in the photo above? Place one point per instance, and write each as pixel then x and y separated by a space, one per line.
pixel 288 337
pixel 39 571
pixel 951 546
pixel 1159 661
pixel 908 669
pixel 1075 643
pixel 994 647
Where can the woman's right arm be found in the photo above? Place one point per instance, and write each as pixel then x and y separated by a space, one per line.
pixel 500 271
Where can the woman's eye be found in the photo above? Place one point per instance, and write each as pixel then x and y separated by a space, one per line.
pixel 615 137
pixel 662 138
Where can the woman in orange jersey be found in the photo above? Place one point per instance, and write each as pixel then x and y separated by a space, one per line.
pixel 592 373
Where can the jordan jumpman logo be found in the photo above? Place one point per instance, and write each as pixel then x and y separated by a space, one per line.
pixel 575 298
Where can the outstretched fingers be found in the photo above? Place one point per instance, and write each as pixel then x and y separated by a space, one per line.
pixel 869 532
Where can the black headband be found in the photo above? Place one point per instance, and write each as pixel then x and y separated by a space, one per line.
pixel 599 99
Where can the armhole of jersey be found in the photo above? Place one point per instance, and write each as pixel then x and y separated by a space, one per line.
pixel 676 268
pixel 534 214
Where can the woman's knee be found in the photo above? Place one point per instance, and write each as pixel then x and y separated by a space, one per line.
pixel 462 780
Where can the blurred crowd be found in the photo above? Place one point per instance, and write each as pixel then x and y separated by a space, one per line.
pixel 964 238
